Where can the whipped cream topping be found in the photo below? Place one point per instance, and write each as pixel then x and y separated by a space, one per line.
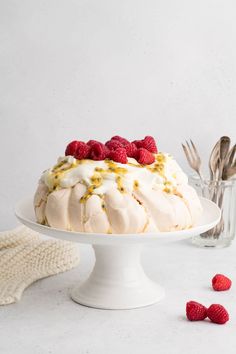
pixel 101 176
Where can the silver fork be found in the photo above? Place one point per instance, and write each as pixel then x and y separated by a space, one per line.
pixel 193 158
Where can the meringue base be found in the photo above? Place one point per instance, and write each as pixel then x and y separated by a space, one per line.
pixel 118 281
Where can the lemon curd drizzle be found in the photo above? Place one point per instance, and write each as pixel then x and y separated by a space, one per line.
pixel 59 170
pixel 159 164
pixel 87 194
pixel 97 179
pixel 135 185
pixel 119 183
pixel 113 168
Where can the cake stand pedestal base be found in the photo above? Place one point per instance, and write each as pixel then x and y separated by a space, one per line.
pixel 118 280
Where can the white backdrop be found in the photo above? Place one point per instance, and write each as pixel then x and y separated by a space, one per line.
pixel 94 68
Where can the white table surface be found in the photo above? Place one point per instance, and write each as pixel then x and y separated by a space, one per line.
pixel 46 320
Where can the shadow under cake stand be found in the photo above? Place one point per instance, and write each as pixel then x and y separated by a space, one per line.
pixel 118 280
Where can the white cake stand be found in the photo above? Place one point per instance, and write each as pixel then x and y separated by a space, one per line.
pixel 118 280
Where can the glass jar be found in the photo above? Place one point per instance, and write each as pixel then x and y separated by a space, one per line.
pixel 223 193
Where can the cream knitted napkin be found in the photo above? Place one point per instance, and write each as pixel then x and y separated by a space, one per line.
pixel 25 257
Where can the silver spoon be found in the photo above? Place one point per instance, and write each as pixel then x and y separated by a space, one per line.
pixel 230 166
pixel 224 144
pixel 223 152
pixel 219 195
pixel 214 160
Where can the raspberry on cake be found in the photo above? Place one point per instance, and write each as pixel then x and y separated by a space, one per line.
pixel 147 143
pixel 144 156
pixel 119 155
pixel 113 144
pixel 98 151
pixel 117 187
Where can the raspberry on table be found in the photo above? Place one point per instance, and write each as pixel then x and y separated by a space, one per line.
pixel 221 283
pixel 195 311
pixel 217 314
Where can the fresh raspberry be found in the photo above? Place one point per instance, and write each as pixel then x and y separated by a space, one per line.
pixel 147 143
pixel 150 144
pixel 71 148
pixel 118 155
pixel 82 151
pixel 195 311
pixel 121 140
pixel 218 314
pixel 98 151
pixel 118 141
pixel 220 282
pixel 144 156
pixel 92 142
pixel 113 144
pixel 132 150
pixel 138 143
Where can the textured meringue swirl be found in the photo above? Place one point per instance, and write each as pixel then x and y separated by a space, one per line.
pixel 109 197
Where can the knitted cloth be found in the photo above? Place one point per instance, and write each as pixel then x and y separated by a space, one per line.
pixel 25 258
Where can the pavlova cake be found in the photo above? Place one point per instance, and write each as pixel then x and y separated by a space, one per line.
pixel 117 187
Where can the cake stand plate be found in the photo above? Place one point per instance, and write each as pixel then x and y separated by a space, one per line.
pixel 118 280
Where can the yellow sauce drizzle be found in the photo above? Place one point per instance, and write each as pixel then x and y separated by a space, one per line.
pixel 87 194
pixel 120 186
pixel 96 180
pixel 113 168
